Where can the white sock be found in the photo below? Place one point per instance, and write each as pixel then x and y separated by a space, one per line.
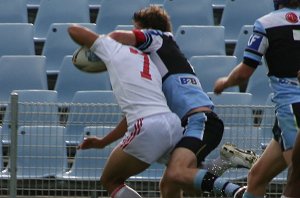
pixel 217 166
pixel 124 191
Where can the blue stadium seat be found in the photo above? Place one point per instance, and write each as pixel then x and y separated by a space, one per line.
pixel 192 12
pixel 258 85
pixel 33 3
pixel 12 11
pixel 210 68
pixel 157 2
pixel 124 27
pixel 95 4
pixel 35 107
pixel 59 11
pixel 58 44
pixel 231 98
pixel 88 164
pixel 117 12
pixel 90 108
pixel 242 12
pixel 197 40
pixel 42 152
pixel 242 42
pixel 218 4
pixel 70 79
pixel 21 72
pixel 16 39
pixel 234 108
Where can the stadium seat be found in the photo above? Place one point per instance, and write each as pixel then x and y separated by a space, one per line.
pixel 88 164
pixel 192 12
pixel 218 4
pixel 197 40
pixel 234 108
pixel 12 11
pixel 231 98
pixel 210 68
pixel 242 42
pixel 59 11
pixel 42 152
pixel 16 39
pixel 117 12
pixel 95 4
pixel 242 12
pixel 124 27
pixel 157 2
pixel 258 85
pixel 90 108
pixel 58 44
pixel 70 79
pixel 21 72
pixel 33 3
pixel 35 107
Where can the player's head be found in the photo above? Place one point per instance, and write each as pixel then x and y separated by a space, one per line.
pixel 286 3
pixel 152 17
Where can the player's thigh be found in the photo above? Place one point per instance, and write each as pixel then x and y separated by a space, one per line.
pixel 270 163
pixel 120 166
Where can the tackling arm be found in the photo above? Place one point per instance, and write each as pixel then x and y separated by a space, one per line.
pixel 124 37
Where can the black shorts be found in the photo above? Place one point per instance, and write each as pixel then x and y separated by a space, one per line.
pixel 212 137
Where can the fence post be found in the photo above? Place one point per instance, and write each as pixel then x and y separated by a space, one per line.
pixel 13 145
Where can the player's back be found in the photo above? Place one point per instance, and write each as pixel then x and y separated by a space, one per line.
pixel 181 86
pixel 135 79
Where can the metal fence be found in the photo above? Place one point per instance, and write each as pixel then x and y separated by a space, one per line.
pixel 39 155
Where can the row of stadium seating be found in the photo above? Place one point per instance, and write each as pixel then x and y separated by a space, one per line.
pixel 119 12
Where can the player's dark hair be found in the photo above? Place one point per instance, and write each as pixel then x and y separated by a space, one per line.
pixel 286 3
pixel 153 17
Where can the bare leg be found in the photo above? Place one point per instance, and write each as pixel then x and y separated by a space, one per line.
pixel 293 182
pixel 119 167
pixel 265 169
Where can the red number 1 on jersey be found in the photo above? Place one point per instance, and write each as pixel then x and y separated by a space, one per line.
pixel 146 67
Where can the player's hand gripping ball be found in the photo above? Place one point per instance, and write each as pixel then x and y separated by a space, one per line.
pixel 85 60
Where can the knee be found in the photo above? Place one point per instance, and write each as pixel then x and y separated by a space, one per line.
pixel 255 177
pixel 110 183
pixel 172 175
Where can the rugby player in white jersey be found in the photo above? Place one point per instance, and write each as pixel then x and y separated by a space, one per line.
pixel 149 130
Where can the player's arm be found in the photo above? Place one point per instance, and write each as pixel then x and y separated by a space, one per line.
pixel 101 142
pixel 239 75
pixel 299 75
pixel 124 37
pixel 82 35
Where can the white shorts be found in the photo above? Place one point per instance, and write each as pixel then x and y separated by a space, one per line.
pixel 152 138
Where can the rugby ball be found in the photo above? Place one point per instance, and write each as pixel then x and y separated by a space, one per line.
pixel 85 60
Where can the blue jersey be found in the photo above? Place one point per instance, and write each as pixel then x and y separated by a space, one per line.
pixel 181 86
pixel 276 37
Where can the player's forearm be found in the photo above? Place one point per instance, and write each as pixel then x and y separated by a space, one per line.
pixel 239 75
pixel 116 133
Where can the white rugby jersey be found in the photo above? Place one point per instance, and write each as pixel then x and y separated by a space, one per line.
pixel 135 80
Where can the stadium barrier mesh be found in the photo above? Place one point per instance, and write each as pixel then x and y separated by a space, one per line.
pixel 43 163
